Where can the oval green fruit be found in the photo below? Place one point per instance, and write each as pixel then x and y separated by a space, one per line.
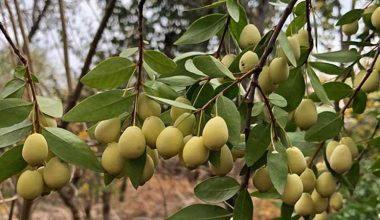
pixel 175 112
pixel 228 59
pixel 296 160
pixel 132 143
pixel 153 153
pixel 261 179
pixel 305 114
pixel 326 184
pixel 265 82
pixel 169 142
pixel 371 84
pixel 112 161
pixel 225 164
pixel 148 170
pixel 248 61
pixel 320 203
pixel 350 143
pixel 341 159
pixel 293 189
pixel 321 216
pixel 304 205
pixel 108 131
pixel 303 38
pixel 308 180
pixel 35 149
pixel 375 18
pixel 30 184
pixel 151 128
pixel 147 107
pixel 330 147
pixel 249 36
pixel 295 46
pixel 185 123
pixel 194 152
pixel 336 201
pixel 215 133
pixel 56 173
pixel 278 70
pixel 351 28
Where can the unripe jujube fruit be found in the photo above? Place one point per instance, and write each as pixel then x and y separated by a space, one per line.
pixel 169 142
pixel 296 160
pixel 56 173
pixel 153 153
pixel 321 167
pixel 330 147
pixel 147 107
pixel 304 205
pixel 30 184
pixel 249 36
pixel 350 143
pixel 336 201
pixel 326 184
pixel 377 64
pixel 132 143
pixel 305 114
pixel 248 61
pixel 375 18
pixel 225 164
pixel 35 149
pixel 351 28
pixel 295 46
pixel 228 59
pixel 185 123
pixel 261 179
pixel 308 180
pixel 175 112
pixel 46 190
pixel 112 160
pixel 215 133
pixel 303 38
pixel 321 216
pixel 293 189
pixel 265 82
pixel 194 152
pixel 278 70
pixel 371 84
pixel 151 128
pixel 108 131
pixel 320 203
pixel 341 159
pixel 148 170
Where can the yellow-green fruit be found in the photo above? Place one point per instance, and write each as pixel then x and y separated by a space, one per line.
pixel 169 142
pixel 112 161
pixel 375 18
pixel 308 180
pixel 215 133
pixel 175 112
pixel 194 152
pixel 249 36
pixel 265 82
pixel 295 45
pixel 56 173
pixel 377 64
pixel 148 170
pixel 326 184
pixel 261 179
pixel 238 152
pixel 296 160
pixel 321 216
pixel 350 143
pixel 320 203
pixel 371 84
pixel 185 123
pixel 303 38
pixel 108 131
pixel 278 70
pixel 226 162
pixel 336 201
pixel 30 184
pixel 228 59
pixel 304 205
pixel 341 159
pixel 151 128
pixel 35 149
pixel 293 189
pixel 153 153
pixel 305 115
pixel 46 190
pixel 321 167
pixel 132 143
pixel 248 61
pixel 330 147
pixel 351 28
pixel 147 107
pixel 187 138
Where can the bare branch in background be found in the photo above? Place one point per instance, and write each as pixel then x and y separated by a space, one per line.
pixel 13 22
pixel 36 23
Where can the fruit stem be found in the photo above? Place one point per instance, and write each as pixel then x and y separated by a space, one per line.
pixel 200 123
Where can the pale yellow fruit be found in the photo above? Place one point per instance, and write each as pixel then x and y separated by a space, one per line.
pixel 350 143
pixel 226 162
pixel 56 173
pixel 320 203
pixel 147 107
pixel 169 142
pixel 278 70
pixel 228 59
pixel 377 64
pixel 308 180
pixel 175 112
pixel 151 128
pixel 303 38
pixel 295 45
pixel 321 216
pixel 112 160
pixel 194 152
pixel 305 115
pixel 336 201
pixel 375 18
pixel 30 184
pixel 293 189
pixel 330 147
pixel 341 159
pixel 148 170
pixel 187 138
pixel 35 149
pixel 261 179
pixel 265 82
pixel 321 167
pixel 296 160
pixel 351 28
pixel 46 190
pixel 108 131
pixel 185 123
pixel 326 184
pixel 215 133
pixel 249 36
pixel 153 153
pixel 132 143
pixel 248 61
pixel 371 84
pixel 304 205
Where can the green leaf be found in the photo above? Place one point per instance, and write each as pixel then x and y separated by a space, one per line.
pixel 159 62
pixel 15 133
pixel 295 25
pixel 328 126
pixel 109 73
pixel 337 90
pixel 327 68
pixel 235 28
pixel 201 212
pixel 71 148
pixel 134 169
pixel 160 89
pixel 13 111
pixel 216 189
pixel 11 163
pixel 286 211
pixel 202 94
pixel 258 142
pixel 278 100
pixel 209 6
pixel 350 17
pixel 360 102
pixel 296 84
pixel 190 67
pixel 211 66
pixel 353 175
pixel 12 87
pixel 178 80
pixel 342 56
pixel 233 9
pixel 280 115
pixel 278 167
pixel 258 107
pixel 126 53
pixel 285 45
pixel 108 179
pixel 50 106
pixel 300 8
pixel 100 106
pixel 243 208
pixel 173 103
pixel 317 86
pixel 228 111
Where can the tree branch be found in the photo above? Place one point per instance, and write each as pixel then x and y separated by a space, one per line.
pixel 217 53
pixel 36 24
pixel 13 22
pixel 308 26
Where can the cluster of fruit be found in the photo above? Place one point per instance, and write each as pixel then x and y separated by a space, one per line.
pixel 45 171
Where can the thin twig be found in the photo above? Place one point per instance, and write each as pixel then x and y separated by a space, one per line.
pixel 13 22
pixel 217 53
pixel 271 115
pixel 308 27
pixel 320 147
pixel 36 24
